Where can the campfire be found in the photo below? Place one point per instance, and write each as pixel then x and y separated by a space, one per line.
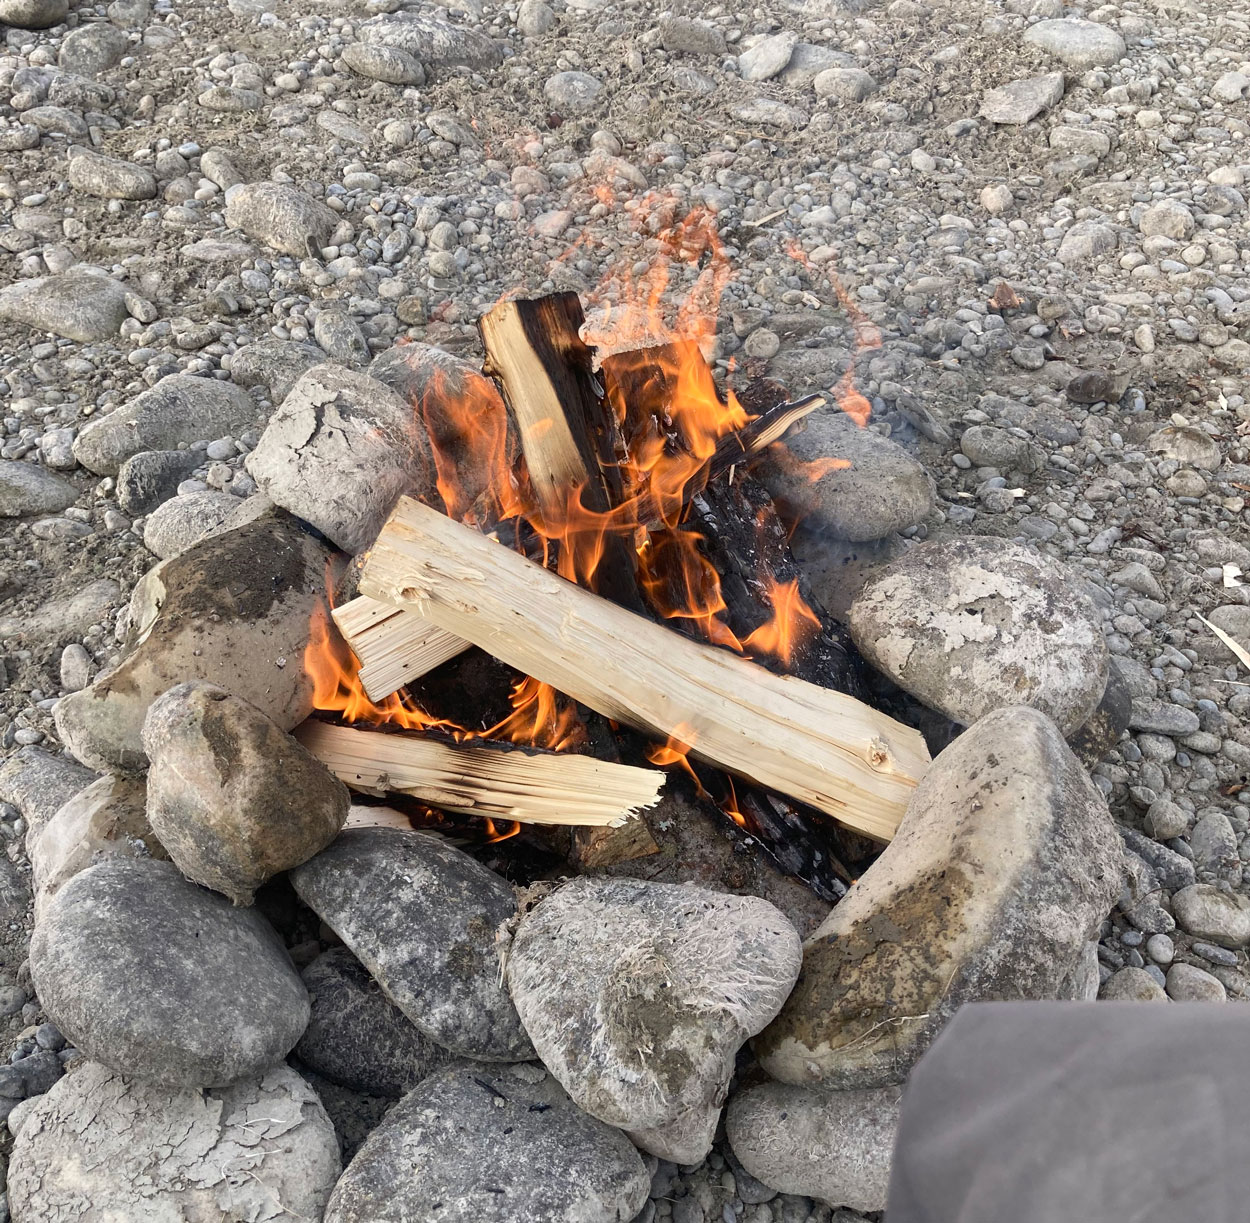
pixel 596 528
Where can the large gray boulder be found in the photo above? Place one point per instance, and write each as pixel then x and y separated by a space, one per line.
pixel 432 41
pixel 178 410
pixel 835 1146
pixel 975 624
pixel 490 1144
pixel 1004 865
pixel 234 799
pixel 100 1146
pixel 357 1037
pixel 659 967
pixel 236 610
pixel 340 451
pixel 80 305
pixel 163 980
pixel 107 177
pixel 282 217
pixel 851 482
pixel 27 488
pixel 33 14
pixel 422 917
pixel 1077 44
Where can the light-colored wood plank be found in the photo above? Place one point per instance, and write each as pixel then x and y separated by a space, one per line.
pixel 821 747
pixel 531 786
pixel 394 646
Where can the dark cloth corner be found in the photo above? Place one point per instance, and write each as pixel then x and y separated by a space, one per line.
pixel 1062 1112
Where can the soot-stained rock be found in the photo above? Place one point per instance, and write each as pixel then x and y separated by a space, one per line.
pixel 835 1146
pixel 1004 865
pixel 178 410
pixel 871 489
pixel 976 624
pixel 103 1146
pixel 422 917
pixel 357 1037
pixel 236 610
pixel 487 1144
pixel 340 451
pixel 234 799
pixel 163 980
pixel 670 982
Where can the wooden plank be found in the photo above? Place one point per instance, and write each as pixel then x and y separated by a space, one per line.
pixel 822 747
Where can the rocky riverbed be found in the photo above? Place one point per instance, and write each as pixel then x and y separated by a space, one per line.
pixel 1020 225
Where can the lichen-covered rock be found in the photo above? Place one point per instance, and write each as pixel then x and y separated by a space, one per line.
pixel 422 917
pixel 835 1146
pixel 178 410
pixel 976 624
pixel 670 982
pixel 236 610
pixel 357 1037
pixel 1004 865
pixel 489 1144
pixel 280 216
pixel 100 1146
pixel 163 980
pixel 849 481
pixel 234 799
pixel 340 451
pixel 107 818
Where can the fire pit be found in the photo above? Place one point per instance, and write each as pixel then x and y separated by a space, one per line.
pixel 463 696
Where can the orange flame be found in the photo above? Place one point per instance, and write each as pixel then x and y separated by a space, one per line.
pixel 792 624
pixel 652 322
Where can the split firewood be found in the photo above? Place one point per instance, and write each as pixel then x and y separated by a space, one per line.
pixel 822 747
pixel 535 352
pixel 394 647
pixel 495 780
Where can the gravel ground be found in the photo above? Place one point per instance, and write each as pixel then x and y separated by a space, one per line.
pixel 1062 307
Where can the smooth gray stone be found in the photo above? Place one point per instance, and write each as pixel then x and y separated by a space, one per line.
pixel 82 306
pixel 834 1146
pixel 489 1144
pixel 274 364
pixel 1019 101
pixel 1079 44
pixel 27 489
pixel 173 527
pixel 973 624
pixel 431 41
pixel 91 49
pixel 422 916
pixel 38 783
pixel 178 410
pixel 33 14
pixel 163 980
pixel 145 481
pixel 108 178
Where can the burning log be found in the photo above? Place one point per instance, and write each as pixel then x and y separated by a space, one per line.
pixel 494 780
pixel 819 746
pixel 394 646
